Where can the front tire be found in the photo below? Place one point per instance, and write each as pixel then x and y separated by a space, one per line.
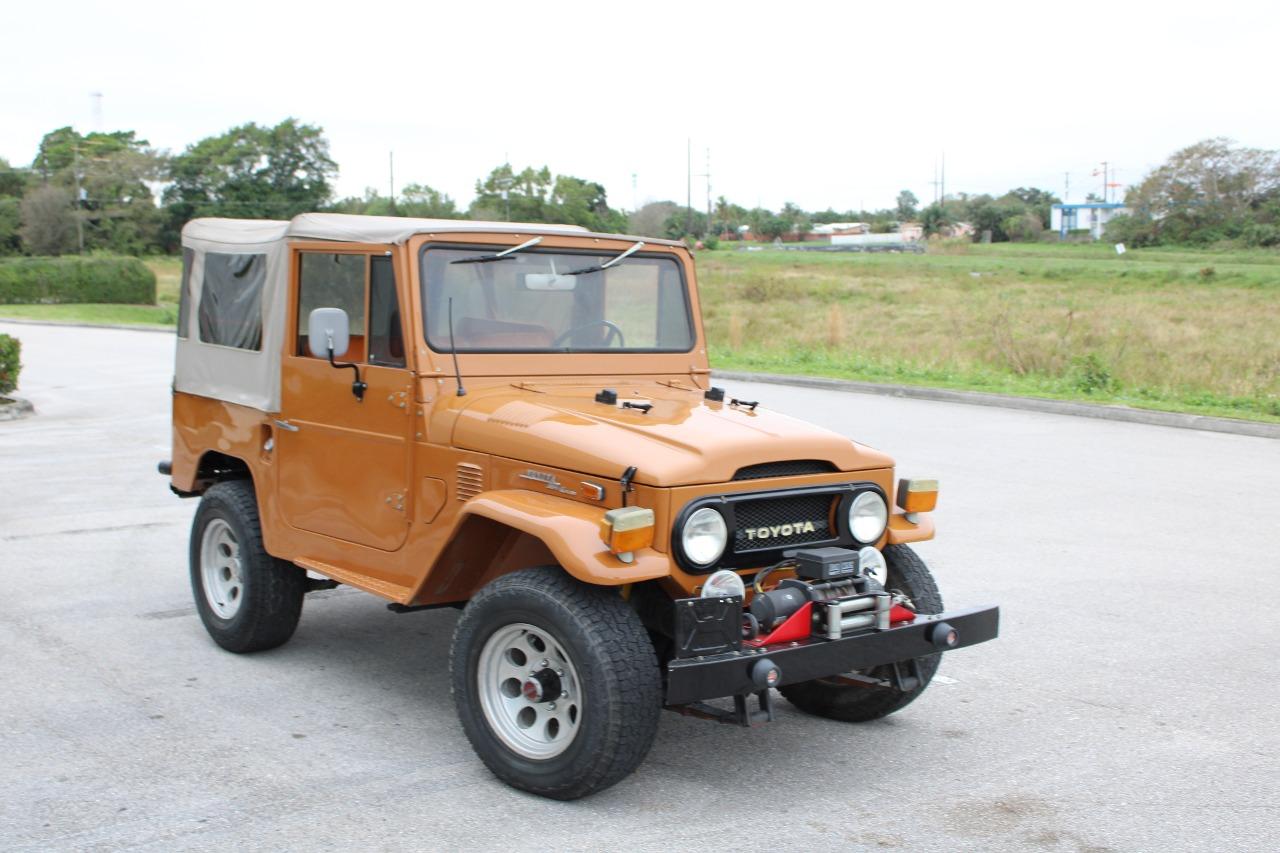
pixel 248 600
pixel 556 683
pixel 824 698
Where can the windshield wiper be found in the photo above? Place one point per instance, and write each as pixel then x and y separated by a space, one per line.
pixel 498 256
pixel 598 267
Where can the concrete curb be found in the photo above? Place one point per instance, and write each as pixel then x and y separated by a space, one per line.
pixel 1030 404
pixel 16 408
pixel 135 327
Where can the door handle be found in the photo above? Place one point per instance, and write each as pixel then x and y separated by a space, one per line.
pixel 285 425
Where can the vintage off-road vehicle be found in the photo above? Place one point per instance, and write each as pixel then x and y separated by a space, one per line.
pixel 518 421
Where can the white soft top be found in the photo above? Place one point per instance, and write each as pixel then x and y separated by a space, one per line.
pixel 365 229
pixel 232 349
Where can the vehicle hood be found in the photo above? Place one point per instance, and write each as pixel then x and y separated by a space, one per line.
pixel 683 439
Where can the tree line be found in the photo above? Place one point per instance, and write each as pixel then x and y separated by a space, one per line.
pixel 114 192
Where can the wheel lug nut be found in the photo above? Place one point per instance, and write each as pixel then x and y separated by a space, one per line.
pixel 560 673
pixel 544 664
pixel 551 706
pixel 564 694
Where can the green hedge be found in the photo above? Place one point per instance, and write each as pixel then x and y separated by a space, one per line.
pixel 33 281
pixel 10 365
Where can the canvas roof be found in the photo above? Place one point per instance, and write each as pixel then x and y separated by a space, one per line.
pixel 251 377
pixel 365 229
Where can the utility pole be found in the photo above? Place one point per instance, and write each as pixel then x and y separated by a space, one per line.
pixel 75 151
pixel 943 181
pixel 1066 192
pixel 935 184
pixel 391 174
pixel 688 198
pixel 707 175
pixel 1104 181
pixel 635 195
pixel 708 191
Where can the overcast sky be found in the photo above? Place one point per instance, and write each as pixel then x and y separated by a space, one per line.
pixel 823 104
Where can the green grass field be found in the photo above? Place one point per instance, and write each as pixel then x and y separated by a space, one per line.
pixel 1167 329
pixel 1179 330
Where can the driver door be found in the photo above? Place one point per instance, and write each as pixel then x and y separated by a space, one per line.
pixel 344 462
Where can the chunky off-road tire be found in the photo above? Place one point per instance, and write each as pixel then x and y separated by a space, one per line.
pixel 907 573
pixel 556 683
pixel 248 600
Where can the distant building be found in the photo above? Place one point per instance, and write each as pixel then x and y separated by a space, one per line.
pixel 833 229
pixel 956 231
pixel 911 230
pixel 1092 216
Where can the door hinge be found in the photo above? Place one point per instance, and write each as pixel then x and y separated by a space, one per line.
pixel 399 399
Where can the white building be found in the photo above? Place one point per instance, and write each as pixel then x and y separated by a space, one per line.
pixel 1092 216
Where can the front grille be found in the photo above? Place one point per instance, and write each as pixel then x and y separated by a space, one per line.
pixel 782 522
pixel 789 468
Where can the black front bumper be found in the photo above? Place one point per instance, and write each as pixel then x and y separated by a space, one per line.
pixel 729 674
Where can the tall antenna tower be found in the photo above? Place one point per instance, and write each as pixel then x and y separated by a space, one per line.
pixel 707 175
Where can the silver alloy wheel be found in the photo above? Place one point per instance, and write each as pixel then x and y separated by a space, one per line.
pixel 220 570
pixel 529 691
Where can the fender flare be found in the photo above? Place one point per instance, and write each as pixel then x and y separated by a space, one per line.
pixel 571 531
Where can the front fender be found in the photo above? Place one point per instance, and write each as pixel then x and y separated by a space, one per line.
pixel 901 531
pixel 571 531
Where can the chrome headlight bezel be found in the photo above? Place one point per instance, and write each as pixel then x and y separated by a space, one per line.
pixel 703 521
pixel 856 519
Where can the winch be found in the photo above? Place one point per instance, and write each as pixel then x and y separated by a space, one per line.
pixel 837 584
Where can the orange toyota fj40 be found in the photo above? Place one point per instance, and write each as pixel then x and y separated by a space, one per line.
pixel 517 421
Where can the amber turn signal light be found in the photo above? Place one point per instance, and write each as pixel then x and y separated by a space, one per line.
pixel 917 495
pixel 627 529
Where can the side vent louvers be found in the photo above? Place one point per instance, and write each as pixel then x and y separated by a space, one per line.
pixel 470 481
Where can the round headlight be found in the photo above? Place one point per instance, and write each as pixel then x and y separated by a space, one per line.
pixel 704 537
pixel 868 517
pixel 723 584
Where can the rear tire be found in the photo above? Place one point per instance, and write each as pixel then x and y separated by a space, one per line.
pixel 556 683
pixel 248 600
pixel 908 574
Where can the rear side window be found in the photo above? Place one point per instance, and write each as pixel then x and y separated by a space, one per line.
pixel 231 300
pixel 184 293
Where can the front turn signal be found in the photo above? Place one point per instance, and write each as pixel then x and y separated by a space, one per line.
pixel 626 530
pixel 917 495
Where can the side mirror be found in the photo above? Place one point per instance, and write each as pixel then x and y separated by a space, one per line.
pixel 328 329
pixel 329 336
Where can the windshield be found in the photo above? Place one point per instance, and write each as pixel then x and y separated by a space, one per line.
pixel 555 301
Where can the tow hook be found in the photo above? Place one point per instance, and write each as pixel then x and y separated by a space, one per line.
pixel 943 636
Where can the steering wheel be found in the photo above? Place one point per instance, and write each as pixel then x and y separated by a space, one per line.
pixel 614 331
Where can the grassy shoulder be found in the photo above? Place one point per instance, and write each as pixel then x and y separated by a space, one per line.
pixel 827 365
pixel 128 315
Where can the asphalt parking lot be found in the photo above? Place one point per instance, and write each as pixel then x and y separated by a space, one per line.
pixel 1130 703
